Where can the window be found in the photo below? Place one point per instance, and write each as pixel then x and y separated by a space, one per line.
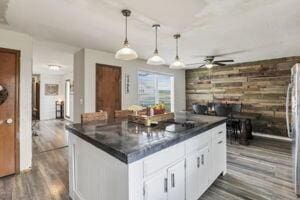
pixel 155 88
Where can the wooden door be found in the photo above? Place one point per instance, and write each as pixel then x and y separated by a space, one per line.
pixel 9 147
pixel 108 89
pixel 176 179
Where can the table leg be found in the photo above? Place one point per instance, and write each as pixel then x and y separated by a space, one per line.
pixel 244 135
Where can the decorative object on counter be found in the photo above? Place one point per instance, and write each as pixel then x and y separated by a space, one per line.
pixel 127 83
pixel 3 94
pixel 51 89
pixel 156 59
pixel 95 116
pixel 177 64
pixel 59 109
pixel 126 53
pixel 158 109
pixel 148 120
pixel 136 109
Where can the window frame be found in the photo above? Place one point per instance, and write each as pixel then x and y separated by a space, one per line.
pixel 172 87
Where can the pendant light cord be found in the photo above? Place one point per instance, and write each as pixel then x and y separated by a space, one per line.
pixel 177 48
pixel 126 40
pixel 156 51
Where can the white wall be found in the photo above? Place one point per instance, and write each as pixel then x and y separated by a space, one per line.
pixel 92 57
pixel 78 84
pixel 47 103
pixel 22 42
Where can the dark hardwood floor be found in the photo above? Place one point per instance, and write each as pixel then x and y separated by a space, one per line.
pixel 260 171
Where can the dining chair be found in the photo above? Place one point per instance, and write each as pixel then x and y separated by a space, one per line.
pixel 95 116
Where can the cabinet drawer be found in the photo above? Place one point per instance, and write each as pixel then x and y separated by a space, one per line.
pixel 163 159
pixel 219 131
pixel 197 142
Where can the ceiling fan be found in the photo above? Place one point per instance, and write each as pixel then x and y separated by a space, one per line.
pixel 209 62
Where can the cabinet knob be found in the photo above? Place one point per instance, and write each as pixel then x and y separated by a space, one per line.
pixel 198 162
pixel 202 159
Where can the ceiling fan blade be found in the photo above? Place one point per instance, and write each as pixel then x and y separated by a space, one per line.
pixel 218 63
pixel 224 61
pixel 194 64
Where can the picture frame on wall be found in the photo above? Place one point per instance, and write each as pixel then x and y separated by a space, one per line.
pixel 51 89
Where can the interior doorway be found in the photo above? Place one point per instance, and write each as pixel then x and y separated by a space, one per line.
pixel 108 88
pixel 9 111
pixel 35 97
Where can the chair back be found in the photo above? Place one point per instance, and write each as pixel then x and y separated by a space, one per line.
pixel 96 116
pixel 200 109
pixel 122 113
pixel 222 109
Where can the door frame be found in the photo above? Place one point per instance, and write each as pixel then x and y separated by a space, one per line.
pixel 17 106
pixel 111 66
pixel 67 104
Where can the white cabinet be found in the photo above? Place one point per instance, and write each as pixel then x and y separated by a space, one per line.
pixel 156 188
pixel 183 171
pixel 197 176
pixel 176 181
pixel 219 156
pixel 166 184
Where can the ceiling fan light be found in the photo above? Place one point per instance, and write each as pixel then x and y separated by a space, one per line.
pixel 177 64
pixel 126 53
pixel 156 60
pixel 209 66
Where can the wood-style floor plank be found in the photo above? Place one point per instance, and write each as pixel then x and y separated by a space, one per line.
pixel 261 171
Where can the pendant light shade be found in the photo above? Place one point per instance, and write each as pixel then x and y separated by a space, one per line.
pixel 126 53
pixel 177 64
pixel 156 59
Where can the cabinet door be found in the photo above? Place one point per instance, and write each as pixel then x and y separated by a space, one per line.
pixel 197 173
pixel 219 155
pixel 203 170
pixel 192 176
pixel 176 181
pixel 156 187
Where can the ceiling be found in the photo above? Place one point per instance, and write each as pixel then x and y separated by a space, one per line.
pixel 47 53
pixel 253 29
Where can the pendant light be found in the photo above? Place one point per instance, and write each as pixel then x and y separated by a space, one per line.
pixel 126 53
pixel 156 59
pixel 177 64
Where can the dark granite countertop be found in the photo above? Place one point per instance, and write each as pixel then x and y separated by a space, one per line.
pixel 130 142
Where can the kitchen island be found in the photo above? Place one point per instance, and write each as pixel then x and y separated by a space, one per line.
pixel 121 160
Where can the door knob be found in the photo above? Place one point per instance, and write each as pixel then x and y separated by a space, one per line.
pixel 9 121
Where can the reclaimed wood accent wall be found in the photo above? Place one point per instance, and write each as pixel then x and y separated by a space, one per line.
pixel 260 86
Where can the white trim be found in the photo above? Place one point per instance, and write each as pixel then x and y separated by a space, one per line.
pixel 272 136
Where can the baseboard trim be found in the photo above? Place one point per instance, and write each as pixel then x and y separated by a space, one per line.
pixel 272 136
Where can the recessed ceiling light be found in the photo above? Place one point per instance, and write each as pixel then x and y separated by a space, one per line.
pixel 54 67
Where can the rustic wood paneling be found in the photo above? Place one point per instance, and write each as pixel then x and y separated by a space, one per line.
pixel 261 87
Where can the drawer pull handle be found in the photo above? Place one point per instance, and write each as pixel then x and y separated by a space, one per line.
pixel 198 162
pixel 220 142
pixel 220 132
pixel 166 185
pixel 202 159
pixel 173 180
